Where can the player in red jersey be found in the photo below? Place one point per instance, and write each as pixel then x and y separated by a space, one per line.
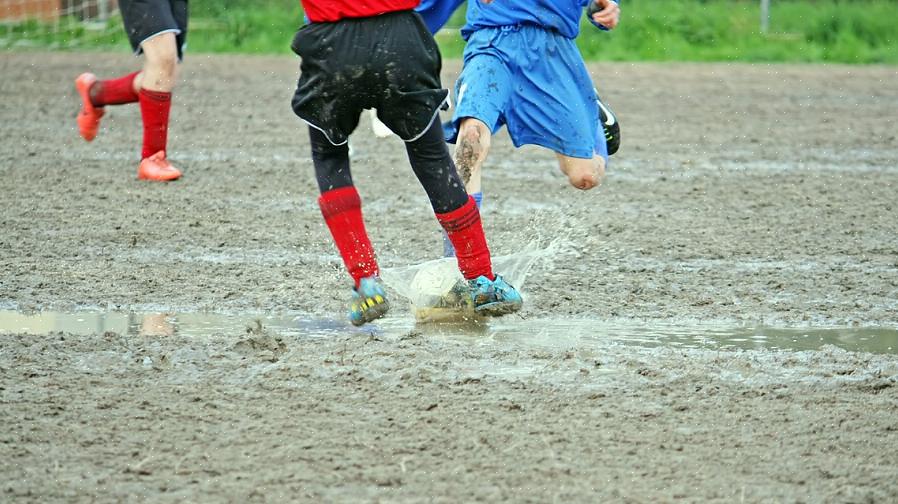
pixel 379 54
pixel 158 29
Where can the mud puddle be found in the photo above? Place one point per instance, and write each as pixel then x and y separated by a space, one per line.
pixel 511 331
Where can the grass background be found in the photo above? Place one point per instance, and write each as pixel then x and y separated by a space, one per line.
pixel 846 31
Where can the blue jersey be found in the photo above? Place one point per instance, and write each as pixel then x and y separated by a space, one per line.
pixel 562 16
pixel 437 12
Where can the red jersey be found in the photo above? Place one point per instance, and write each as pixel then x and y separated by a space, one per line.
pixel 335 10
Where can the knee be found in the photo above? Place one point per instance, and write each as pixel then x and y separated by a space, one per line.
pixel 584 181
pixel 166 63
pixel 162 54
pixel 471 148
pixel 587 176
pixel 474 136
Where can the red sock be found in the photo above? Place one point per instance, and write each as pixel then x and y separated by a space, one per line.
pixel 466 234
pixel 342 211
pixel 154 108
pixel 114 91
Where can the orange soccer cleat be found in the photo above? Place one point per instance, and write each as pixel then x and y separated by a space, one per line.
pixel 89 117
pixel 157 168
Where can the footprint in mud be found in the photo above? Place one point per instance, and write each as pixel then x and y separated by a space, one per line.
pixel 260 343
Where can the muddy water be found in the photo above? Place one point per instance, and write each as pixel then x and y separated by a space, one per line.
pixel 511 331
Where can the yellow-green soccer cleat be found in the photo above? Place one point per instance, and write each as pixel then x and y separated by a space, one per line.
pixel 369 301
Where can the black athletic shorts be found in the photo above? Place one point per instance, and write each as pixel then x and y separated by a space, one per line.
pixel 388 62
pixel 144 19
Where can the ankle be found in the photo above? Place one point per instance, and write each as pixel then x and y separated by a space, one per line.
pixel 93 93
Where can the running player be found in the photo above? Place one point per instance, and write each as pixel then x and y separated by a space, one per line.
pixel 378 54
pixel 523 70
pixel 158 29
pixel 436 14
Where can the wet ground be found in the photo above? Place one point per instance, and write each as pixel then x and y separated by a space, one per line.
pixel 661 356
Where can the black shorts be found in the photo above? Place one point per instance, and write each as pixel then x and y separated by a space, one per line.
pixel 388 62
pixel 144 19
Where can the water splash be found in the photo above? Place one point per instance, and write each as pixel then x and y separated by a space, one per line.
pixel 425 285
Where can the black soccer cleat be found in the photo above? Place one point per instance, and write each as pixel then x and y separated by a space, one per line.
pixel 610 125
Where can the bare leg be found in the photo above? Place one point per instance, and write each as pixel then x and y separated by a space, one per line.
pixel 470 152
pixel 161 64
pixel 582 173
pixel 154 85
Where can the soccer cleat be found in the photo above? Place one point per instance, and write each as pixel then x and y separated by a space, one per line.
pixel 157 168
pixel 609 125
pixel 89 116
pixel 369 301
pixel 494 298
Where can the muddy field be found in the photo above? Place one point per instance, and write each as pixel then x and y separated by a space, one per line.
pixel 760 195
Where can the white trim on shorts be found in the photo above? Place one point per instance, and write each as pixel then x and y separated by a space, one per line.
pixel 435 114
pixel 419 135
pixel 176 31
pixel 325 134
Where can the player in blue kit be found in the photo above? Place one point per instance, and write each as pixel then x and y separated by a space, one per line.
pixel 523 70
pixel 436 14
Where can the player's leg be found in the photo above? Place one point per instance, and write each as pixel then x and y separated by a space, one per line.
pixel 341 208
pixel 410 107
pixel 582 173
pixel 159 30
pixel 96 94
pixel 471 149
pixel 481 95
pixel 554 105
pixel 160 66
pixel 457 212
pixel 331 103
pixel 156 82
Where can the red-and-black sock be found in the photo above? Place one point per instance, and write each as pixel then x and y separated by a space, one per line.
pixel 154 109
pixel 465 231
pixel 114 91
pixel 342 211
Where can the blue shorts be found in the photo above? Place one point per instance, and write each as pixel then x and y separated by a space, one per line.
pixel 534 82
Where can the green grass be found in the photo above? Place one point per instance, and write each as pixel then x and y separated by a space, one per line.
pixel 859 31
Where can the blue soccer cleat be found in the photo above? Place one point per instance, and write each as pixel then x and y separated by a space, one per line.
pixel 494 298
pixel 369 301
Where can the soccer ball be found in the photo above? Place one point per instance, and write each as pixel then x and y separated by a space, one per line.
pixel 433 281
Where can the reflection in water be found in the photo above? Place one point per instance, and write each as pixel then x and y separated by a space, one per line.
pixel 156 324
pixel 512 331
